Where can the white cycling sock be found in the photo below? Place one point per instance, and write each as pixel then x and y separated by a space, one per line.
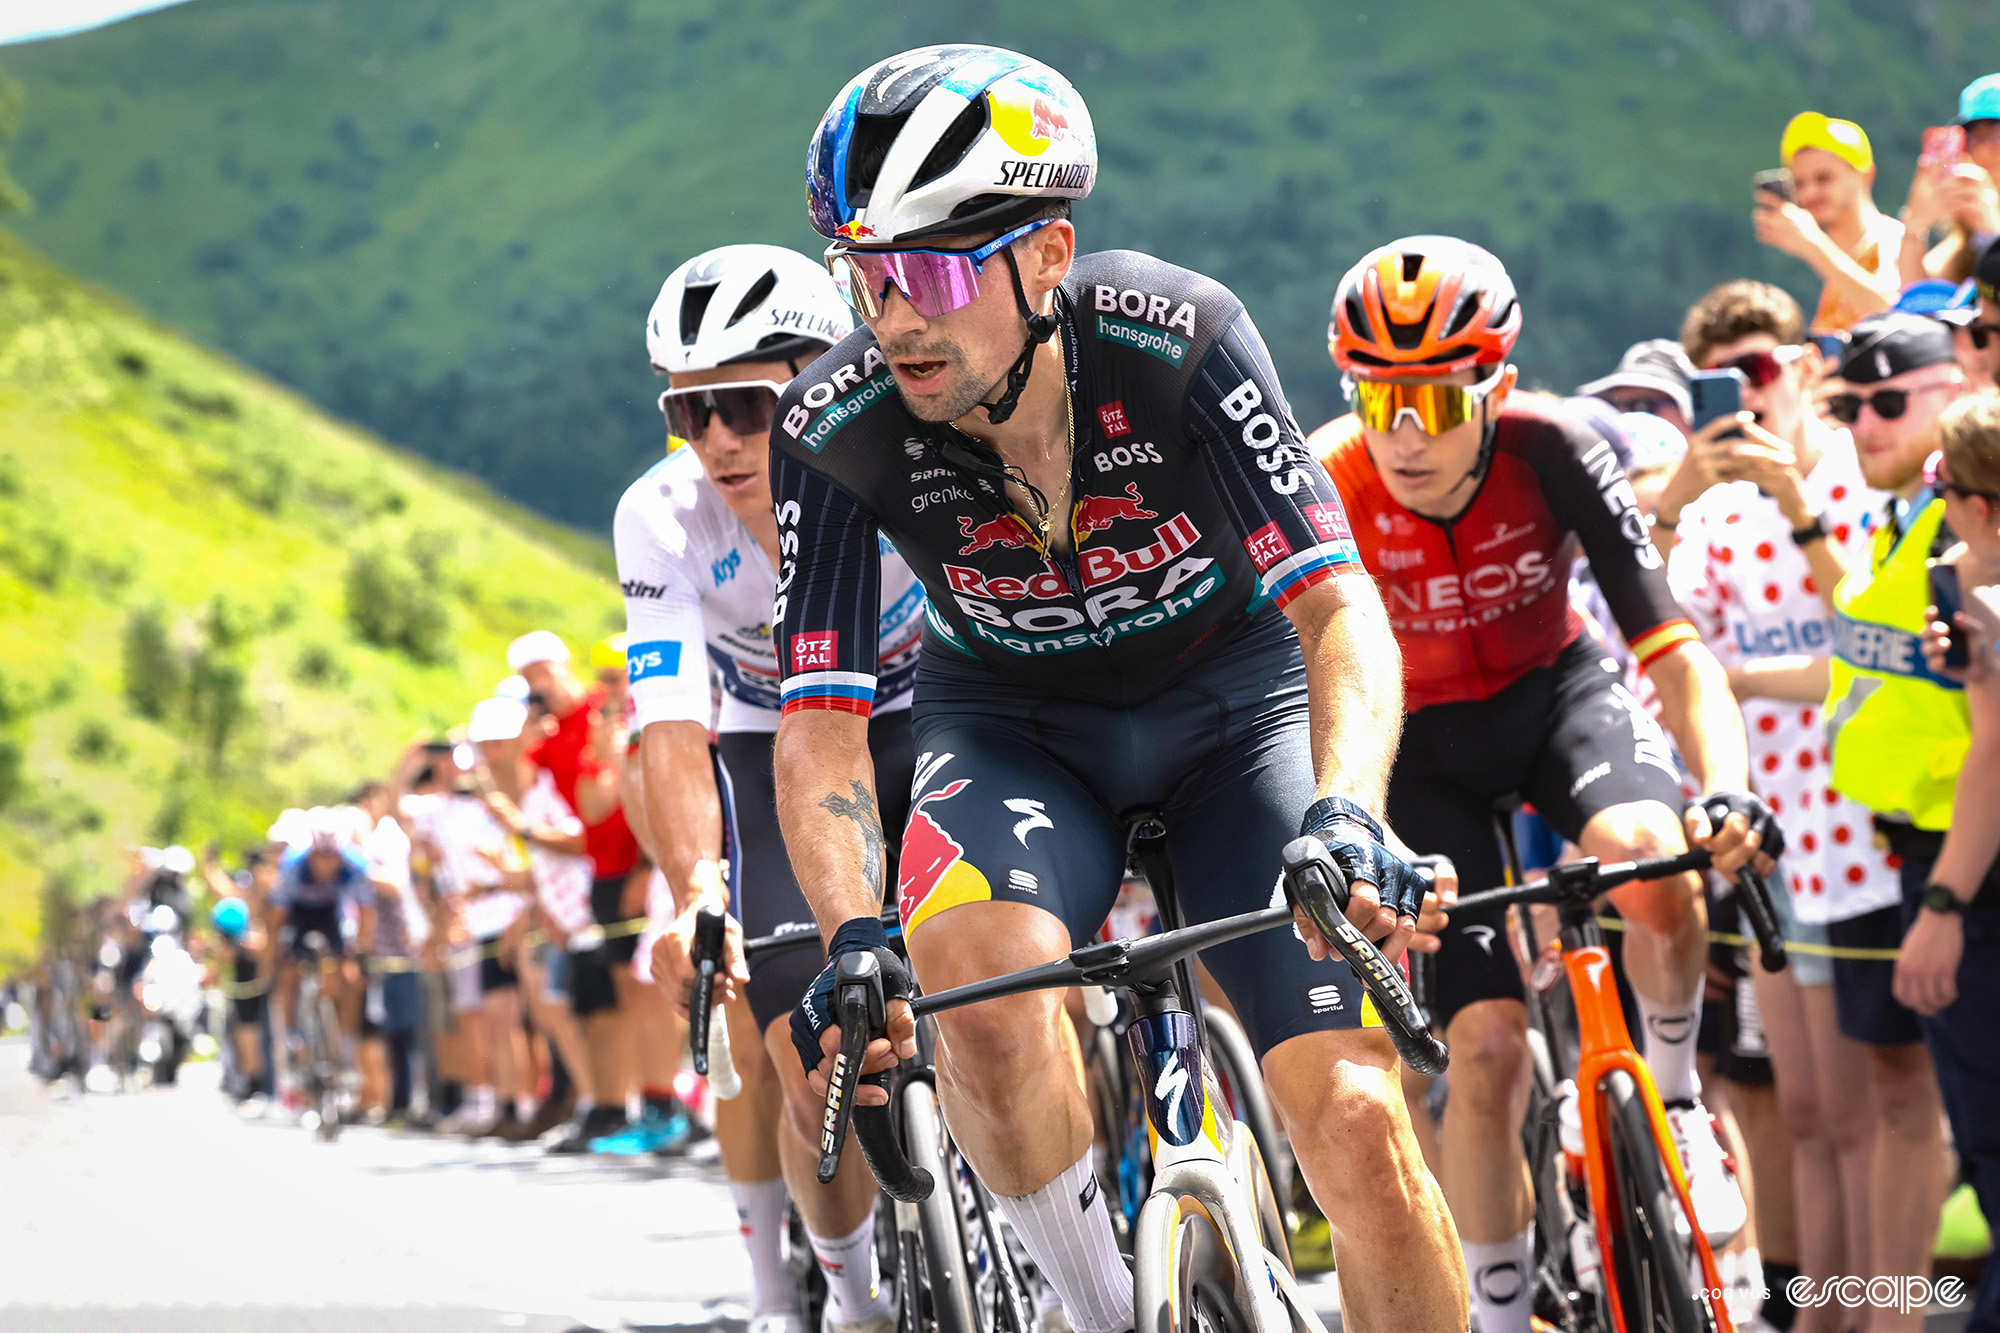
pixel 1066 1230
pixel 1501 1292
pixel 760 1219
pixel 524 1108
pixel 853 1291
pixel 1670 1031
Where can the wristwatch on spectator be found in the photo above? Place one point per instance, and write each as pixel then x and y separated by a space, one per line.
pixel 1814 531
pixel 1939 898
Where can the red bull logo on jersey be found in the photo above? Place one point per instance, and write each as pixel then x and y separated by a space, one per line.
pixel 1004 530
pixel 1104 565
pixel 933 873
pixel 1095 513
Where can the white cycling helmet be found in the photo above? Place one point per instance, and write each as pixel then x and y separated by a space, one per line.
pixel 745 303
pixel 945 141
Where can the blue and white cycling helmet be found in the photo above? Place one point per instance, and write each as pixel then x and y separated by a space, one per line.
pixel 230 917
pixel 944 141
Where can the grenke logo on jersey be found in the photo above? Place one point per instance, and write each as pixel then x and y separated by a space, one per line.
pixel 1123 591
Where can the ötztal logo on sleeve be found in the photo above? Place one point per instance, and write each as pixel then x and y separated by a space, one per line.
pixel 814 652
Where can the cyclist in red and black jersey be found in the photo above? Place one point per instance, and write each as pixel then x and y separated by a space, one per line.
pixel 1469 506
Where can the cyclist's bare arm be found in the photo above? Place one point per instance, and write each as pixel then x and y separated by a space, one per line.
pixel 685 811
pixel 1354 676
pixel 1697 707
pixel 827 812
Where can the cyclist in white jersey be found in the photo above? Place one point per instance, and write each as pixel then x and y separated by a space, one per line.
pixel 697 548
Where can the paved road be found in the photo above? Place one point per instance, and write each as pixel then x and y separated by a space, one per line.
pixel 162 1212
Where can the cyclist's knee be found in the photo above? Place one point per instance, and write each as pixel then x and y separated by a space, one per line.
pixel 1000 1048
pixel 1333 1103
pixel 1489 1055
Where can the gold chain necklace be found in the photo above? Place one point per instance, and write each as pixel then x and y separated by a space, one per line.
pixel 1069 460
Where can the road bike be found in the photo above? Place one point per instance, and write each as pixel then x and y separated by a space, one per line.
pixel 1208 1246
pixel 1617 1247
pixel 952 1260
pixel 323 1075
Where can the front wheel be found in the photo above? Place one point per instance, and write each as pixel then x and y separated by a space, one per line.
pixel 1182 1279
pixel 1654 1257
pixel 938 1287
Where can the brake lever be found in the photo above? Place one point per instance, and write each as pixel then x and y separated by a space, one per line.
pixel 708 931
pixel 1755 895
pixel 859 1009
pixel 1315 885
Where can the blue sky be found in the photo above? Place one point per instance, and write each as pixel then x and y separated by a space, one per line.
pixel 28 20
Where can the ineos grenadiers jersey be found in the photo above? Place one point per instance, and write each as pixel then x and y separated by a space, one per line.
pixel 1196 504
pixel 1480 600
pixel 693 574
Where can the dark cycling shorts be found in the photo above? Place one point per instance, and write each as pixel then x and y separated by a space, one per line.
pixel 1022 798
pixel 607 909
pixel 304 918
pixel 591 989
pixel 1571 740
pixel 763 893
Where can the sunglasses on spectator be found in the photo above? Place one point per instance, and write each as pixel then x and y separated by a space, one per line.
pixel 1887 404
pixel 1649 406
pixel 746 407
pixel 1762 368
pixel 934 282
pixel 1936 476
pixel 1979 333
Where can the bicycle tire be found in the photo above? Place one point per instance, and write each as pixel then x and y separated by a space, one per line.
pixel 1182 1277
pixel 1652 1258
pixel 1558 1296
pixel 942 1279
pixel 1242 1077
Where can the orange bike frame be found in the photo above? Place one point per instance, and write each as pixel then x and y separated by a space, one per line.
pixel 1606 1045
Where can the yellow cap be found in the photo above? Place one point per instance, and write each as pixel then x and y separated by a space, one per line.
pixel 608 653
pixel 1843 138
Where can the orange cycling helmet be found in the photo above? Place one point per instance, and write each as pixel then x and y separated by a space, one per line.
pixel 1424 305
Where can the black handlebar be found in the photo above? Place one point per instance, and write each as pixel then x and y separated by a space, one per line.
pixel 1314 884
pixel 1578 882
pixel 708 930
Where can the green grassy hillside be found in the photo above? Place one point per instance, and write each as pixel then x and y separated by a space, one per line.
pixel 446 218
pixel 214 601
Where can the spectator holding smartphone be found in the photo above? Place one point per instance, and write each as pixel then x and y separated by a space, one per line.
pixel 1954 185
pixel 1759 551
pixel 1833 225
pixel 1949 972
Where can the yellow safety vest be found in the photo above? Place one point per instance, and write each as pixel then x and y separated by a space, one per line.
pixel 1899 734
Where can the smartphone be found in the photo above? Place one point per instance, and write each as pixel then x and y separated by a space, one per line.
pixel 1944 147
pixel 1716 393
pixel 1777 181
pixel 1946 597
pixel 1832 347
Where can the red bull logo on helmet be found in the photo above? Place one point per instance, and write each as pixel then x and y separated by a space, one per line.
pixel 855 230
pixel 1026 120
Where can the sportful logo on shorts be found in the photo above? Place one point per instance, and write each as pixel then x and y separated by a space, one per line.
pixel 662 657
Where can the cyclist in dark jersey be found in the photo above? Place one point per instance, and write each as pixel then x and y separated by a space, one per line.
pixel 1471 502
pixel 1089 463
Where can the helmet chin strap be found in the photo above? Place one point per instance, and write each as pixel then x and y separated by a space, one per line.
pixel 1040 329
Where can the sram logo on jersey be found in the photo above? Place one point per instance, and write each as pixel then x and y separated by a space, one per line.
pixel 815 651
pixel 863 385
pixel 1616 490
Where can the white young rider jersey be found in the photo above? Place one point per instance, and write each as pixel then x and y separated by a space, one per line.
pixel 695 576
pixel 1749 589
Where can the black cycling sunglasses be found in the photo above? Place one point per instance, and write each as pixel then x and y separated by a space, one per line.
pixel 1979 333
pixel 1888 404
pixel 746 407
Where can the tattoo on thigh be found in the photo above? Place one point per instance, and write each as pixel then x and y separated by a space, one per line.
pixel 861 809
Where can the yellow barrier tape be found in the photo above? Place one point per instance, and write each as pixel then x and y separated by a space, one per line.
pixel 1851 952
